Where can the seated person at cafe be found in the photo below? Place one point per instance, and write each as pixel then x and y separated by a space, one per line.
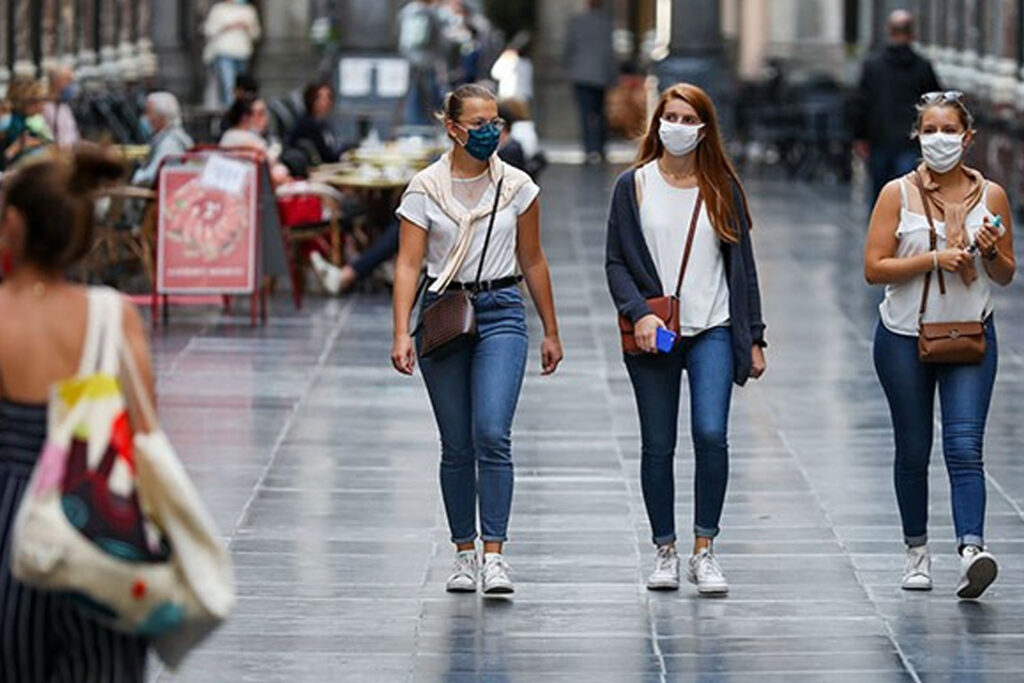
pixel 249 121
pixel 169 137
pixel 245 85
pixel 313 133
pixel 25 133
pixel 340 280
pixel 57 109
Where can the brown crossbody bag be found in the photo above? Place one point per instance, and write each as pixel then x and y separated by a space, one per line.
pixel 449 324
pixel 665 307
pixel 952 342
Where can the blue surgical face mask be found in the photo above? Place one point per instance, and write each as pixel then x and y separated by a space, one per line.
pixel 5 121
pixel 67 93
pixel 482 142
pixel 146 126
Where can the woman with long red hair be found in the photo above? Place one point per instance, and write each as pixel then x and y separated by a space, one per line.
pixel 681 271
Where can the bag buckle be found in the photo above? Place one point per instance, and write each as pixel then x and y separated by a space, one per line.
pixel 954 333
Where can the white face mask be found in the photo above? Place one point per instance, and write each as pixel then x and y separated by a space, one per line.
pixel 679 138
pixel 942 151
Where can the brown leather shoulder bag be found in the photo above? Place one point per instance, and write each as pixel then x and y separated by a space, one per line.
pixel 945 342
pixel 665 307
pixel 449 324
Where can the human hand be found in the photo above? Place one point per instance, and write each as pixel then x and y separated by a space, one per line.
pixel 646 332
pixel 551 354
pixel 403 356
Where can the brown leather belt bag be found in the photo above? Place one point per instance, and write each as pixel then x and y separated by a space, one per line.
pixel 665 307
pixel 449 324
pixel 945 342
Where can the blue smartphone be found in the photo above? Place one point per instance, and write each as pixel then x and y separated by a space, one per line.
pixel 996 223
pixel 666 340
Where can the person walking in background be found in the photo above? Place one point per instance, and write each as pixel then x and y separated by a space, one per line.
pixel 232 28
pixel 891 82
pixel 57 109
pixel 420 42
pixel 935 243
pixel 590 61
pixel 45 228
pixel 25 133
pixel 679 222
pixel 475 220
pixel 169 137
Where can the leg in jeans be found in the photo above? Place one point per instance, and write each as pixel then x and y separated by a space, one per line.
pixel 448 384
pixel 656 385
pixel 880 169
pixel 224 67
pixel 499 361
pixel 600 121
pixel 585 100
pixel 709 367
pixel 904 161
pixel 909 386
pixel 382 249
pixel 965 392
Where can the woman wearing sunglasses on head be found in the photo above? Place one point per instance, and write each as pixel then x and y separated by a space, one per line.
pixel 681 271
pixel 939 237
pixel 476 221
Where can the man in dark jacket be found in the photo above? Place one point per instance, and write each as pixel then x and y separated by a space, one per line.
pixel 891 84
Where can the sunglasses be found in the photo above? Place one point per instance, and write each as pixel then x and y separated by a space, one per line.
pixel 943 97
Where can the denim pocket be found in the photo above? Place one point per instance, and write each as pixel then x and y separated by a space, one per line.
pixel 509 297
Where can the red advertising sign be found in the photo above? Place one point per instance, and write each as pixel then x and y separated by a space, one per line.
pixel 208 227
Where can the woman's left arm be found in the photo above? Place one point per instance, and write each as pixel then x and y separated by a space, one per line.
pixel 757 326
pixel 997 251
pixel 538 279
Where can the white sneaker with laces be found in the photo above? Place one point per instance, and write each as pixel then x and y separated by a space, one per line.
pixel 665 576
pixel 496 581
pixel 917 574
pixel 705 573
pixel 328 273
pixel 465 573
pixel 978 569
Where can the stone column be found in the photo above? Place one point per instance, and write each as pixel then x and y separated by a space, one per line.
pixel 144 38
pixel 24 66
pixel 88 47
pixel 753 38
pixel 5 73
pixel 108 39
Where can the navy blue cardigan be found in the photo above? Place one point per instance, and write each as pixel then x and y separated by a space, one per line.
pixel 633 277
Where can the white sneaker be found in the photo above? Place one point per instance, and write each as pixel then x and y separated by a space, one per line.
pixel 665 576
pixel 705 573
pixel 496 581
pixel 328 273
pixel 917 574
pixel 465 573
pixel 978 569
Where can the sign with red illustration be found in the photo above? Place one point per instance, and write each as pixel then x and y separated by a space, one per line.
pixel 208 227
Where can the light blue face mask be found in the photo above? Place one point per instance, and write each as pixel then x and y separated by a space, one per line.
pixel 146 126
pixel 5 121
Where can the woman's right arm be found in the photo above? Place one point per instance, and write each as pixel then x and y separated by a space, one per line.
pixel 412 246
pixel 881 265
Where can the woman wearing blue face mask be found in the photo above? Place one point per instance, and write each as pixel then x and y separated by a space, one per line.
pixel 476 222
pixel 681 270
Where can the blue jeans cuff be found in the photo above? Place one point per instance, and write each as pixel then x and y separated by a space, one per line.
pixel 465 539
pixel 970 539
pixel 664 540
pixel 494 539
pixel 916 541
pixel 704 532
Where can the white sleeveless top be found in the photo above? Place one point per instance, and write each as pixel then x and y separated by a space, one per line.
pixel 899 309
pixel 665 213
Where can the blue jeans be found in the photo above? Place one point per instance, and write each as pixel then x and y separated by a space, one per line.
pixel 423 98
pixel 886 163
pixel 656 380
pixel 965 392
pixel 228 69
pixel 474 393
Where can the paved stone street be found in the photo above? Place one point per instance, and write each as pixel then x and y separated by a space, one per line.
pixel 320 464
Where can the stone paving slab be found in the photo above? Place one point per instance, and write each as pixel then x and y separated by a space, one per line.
pixel 320 466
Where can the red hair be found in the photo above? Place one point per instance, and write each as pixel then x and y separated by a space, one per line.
pixel 716 175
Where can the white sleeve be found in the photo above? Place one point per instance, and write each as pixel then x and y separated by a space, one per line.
pixel 524 198
pixel 414 209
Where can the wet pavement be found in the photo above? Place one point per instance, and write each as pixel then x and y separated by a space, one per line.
pixel 319 463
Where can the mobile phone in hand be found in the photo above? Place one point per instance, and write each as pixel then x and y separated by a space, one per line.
pixel 666 340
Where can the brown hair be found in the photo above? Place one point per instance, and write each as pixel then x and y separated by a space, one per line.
pixel 24 92
pixel 451 109
pixel 966 117
pixel 54 198
pixel 311 92
pixel 716 175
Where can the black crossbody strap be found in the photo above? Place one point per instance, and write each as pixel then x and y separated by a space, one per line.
pixel 490 229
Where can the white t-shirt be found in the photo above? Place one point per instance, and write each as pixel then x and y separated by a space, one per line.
pixel 236 42
pixel 899 310
pixel 665 213
pixel 422 211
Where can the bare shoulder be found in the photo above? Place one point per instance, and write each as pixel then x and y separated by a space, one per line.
pixel 997 195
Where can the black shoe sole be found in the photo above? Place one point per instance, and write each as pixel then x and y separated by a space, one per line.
pixel 980 576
